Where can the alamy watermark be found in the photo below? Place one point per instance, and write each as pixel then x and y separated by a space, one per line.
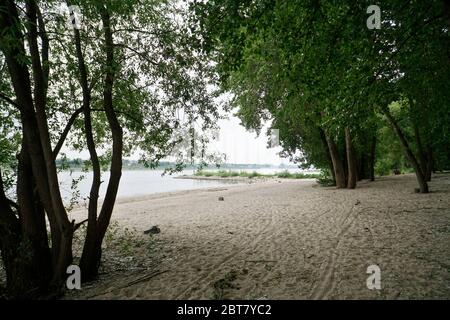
pixel 74 16
pixel 74 279
pixel 274 138
pixel 374 20
pixel 373 282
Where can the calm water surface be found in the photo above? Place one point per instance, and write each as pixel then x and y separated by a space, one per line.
pixel 145 182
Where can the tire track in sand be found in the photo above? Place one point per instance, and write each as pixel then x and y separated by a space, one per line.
pixel 207 278
pixel 327 280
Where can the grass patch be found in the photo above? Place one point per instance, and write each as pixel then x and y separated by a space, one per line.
pixel 125 240
pixel 229 174
pixel 224 284
pixel 122 248
pixel 297 175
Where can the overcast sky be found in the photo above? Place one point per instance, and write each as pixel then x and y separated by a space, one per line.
pixel 242 146
pixel 239 145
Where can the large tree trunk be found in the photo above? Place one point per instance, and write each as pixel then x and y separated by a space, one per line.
pixel 351 161
pixel 33 226
pixel 36 136
pixel 10 239
pixel 407 150
pixel 338 167
pixel 40 100
pixel 23 238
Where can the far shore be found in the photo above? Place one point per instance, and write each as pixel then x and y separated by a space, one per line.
pixel 235 175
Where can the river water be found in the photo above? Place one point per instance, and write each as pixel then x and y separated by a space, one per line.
pixel 144 182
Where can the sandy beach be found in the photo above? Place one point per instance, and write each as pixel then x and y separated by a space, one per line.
pixel 288 239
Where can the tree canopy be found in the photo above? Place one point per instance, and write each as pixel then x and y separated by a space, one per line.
pixel 111 77
pixel 328 82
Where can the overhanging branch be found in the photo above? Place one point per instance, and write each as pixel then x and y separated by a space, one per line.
pixel 66 132
pixel 9 100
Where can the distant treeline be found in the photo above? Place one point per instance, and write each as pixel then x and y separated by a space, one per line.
pixel 254 174
pixel 79 164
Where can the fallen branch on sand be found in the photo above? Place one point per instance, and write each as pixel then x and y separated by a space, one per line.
pixel 144 278
pixel 131 283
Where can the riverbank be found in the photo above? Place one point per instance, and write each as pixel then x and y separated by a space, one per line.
pixel 247 176
pixel 254 174
pixel 286 239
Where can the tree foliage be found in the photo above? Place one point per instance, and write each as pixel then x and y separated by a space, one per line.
pixel 124 78
pixel 317 71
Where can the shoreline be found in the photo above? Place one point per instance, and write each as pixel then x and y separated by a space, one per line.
pixel 234 182
pixel 167 194
pixel 228 179
pixel 238 179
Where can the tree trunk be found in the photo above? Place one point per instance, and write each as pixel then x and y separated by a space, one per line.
pixel 89 270
pixel 116 132
pixel 33 226
pixel 344 163
pixel 430 163
pixel 36 136
pixel 10 239
pixel 327 152
pixel 92 256
pixel 362 166
pixel 408 152
pixel 373 147
pixel 40 100
pixel 23 238
pixel 423 161
pixel 351 161
pixel 338 167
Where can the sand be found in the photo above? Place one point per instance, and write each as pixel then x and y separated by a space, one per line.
pixel 289 239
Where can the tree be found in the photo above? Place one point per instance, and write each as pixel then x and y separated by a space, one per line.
pixel 132 74
pixel 322 57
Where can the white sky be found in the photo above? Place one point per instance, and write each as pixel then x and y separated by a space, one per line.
pixel 239 145
pixel 242 146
